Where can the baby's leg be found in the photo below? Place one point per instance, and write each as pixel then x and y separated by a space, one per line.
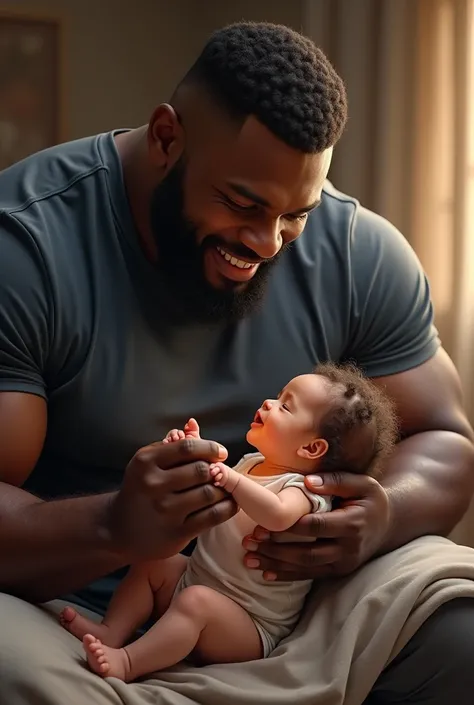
pixel 147 588
pixel 200 621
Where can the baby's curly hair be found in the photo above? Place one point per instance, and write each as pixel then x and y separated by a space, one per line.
pixel 361 425
pixel 277 75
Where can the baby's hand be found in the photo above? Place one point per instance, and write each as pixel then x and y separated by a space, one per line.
pixel 220 474
pixel 191 430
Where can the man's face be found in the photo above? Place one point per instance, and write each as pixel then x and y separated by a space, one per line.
pixel 222 217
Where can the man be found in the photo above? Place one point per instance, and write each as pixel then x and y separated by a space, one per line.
pixel 192 267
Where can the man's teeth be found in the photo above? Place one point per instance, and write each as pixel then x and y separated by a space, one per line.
pixel 234 261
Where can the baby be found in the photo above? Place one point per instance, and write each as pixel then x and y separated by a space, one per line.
pixel 210 607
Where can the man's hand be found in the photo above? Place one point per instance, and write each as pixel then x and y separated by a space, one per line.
pixel 345 538
pixel 167 499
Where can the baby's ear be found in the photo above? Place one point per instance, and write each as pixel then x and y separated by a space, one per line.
pixel 314 450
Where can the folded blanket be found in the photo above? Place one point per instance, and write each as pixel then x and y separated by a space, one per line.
pixel 351 629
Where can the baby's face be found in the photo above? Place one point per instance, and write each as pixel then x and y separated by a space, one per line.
pixel 281 426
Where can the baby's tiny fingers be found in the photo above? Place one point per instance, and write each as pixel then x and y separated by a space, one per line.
pixel 181 435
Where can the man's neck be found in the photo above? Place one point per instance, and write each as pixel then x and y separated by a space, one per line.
pixel 138 180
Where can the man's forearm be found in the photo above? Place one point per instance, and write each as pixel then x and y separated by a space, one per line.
pixel 51 548
pixel 430 481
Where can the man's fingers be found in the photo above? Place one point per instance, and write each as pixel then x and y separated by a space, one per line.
pixel 183 504
pixel 338 524
pixel 293 554
pixel 183 478
pixel 171 455
pixel 342 484
pixel 207 518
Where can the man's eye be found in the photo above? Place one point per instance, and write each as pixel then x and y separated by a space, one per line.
pixel 297 218
pixel 237 206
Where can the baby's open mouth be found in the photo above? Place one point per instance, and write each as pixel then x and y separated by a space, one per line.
pixel 258 418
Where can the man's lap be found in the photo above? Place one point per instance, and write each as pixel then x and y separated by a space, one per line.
pixel 334 655
pixel 41 662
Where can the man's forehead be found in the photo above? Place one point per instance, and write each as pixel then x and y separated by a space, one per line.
pixel 261 163
pixel 255 150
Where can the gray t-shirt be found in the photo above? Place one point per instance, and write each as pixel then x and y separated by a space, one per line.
pixel 80 320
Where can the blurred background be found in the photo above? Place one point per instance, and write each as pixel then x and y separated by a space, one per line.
pixel 78 67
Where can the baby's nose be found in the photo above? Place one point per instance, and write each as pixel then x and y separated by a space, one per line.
pixel 267 404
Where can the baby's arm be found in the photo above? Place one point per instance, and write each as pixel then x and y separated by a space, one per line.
pixel 275 512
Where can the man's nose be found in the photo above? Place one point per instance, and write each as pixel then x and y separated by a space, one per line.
pixel 264 238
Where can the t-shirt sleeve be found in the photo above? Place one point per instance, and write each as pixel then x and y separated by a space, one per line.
pixel 391 317
pixel 25 311
pixel 319 503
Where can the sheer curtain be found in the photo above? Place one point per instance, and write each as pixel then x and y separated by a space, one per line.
pixel 409 148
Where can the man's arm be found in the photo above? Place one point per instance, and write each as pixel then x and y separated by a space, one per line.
pixel 425 488
pixel 51 548
pixel 429 480
pixel 275 512
pixel 46 548
pixel 430 477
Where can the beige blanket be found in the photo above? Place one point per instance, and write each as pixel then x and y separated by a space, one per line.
pixel 351 630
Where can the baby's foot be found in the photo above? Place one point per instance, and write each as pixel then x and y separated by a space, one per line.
pixel 106 661
pixel 192 430
pixel 79 625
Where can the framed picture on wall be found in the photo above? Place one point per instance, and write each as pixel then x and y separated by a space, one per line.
pixel 30 85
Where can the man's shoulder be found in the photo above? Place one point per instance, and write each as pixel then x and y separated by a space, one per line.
pixel 337 198
pixel 338 209
pixel 47 174
pixel 361 236
pixel 53 204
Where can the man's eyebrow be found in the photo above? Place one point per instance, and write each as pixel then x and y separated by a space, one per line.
pixel 248 193
pixel 252 196
pixel 307 209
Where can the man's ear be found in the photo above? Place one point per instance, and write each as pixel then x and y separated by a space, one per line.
pixel 314 450
pixel 165 137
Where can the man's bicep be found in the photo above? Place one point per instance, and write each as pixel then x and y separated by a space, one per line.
pixel 26 319
pixel 23 420
pixel 26 323
pixel 428 397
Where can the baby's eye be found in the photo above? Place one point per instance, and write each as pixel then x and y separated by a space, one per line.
pixel 284 406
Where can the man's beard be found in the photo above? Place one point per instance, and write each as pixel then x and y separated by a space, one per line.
pixel 187 296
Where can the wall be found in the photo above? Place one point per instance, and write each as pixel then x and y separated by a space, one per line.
pixel 218 13
pixel 120 58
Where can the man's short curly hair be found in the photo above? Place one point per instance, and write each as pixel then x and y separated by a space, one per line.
pixel 279 76
pixel 360 426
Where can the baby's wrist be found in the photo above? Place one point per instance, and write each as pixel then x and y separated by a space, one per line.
pixel 232 481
